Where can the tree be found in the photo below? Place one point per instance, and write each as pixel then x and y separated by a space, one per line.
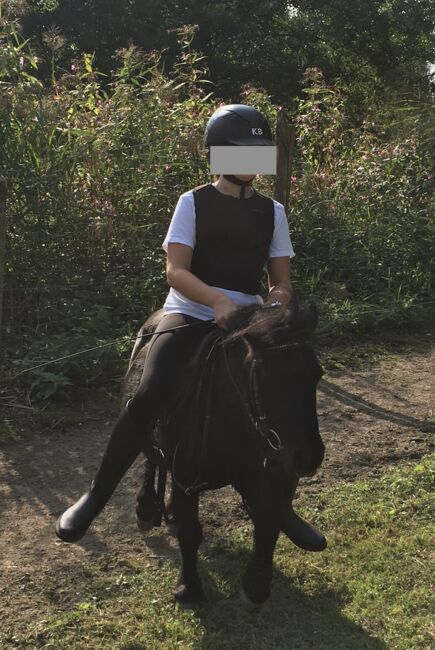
pixel 372 46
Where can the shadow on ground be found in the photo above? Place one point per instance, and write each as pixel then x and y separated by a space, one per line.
pixel 370 408
pixel 290 619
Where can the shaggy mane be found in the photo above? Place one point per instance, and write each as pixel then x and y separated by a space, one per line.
pixel 259 328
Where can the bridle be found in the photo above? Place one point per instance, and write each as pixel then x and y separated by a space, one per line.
pixel 253 406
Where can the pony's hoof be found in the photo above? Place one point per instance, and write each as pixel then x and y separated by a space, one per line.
pixel 189 598
pixel 144 526
pixel 256 585
pixel 247 602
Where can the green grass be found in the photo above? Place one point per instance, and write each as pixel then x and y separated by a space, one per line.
pixel 369 590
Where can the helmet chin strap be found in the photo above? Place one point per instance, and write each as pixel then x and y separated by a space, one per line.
pixel 237 181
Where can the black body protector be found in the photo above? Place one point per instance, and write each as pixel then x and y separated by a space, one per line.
pixel 233 237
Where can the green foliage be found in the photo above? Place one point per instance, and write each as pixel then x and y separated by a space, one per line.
pixel 95 165
pixel 361 204
pixel 381 46
pixel 374 46
pixel 45 384
pixel 93 180
pixel 70 367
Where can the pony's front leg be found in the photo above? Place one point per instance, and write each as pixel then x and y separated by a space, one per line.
pixel 257 580
pixel 189 592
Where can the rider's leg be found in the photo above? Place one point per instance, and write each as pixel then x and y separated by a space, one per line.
pixel 167 352
pixel 299 531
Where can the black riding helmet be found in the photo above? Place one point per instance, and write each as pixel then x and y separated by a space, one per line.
pixel 237 124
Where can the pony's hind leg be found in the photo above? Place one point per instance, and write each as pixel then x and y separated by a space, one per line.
pixel 256 583
pixel 189 593
pixel 147 509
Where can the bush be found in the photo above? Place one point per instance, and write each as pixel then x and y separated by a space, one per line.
pixel 361 205
pixel 95 166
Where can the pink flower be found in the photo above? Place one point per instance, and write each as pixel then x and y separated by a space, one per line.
pixel 293 179
pixel 73 67
pixel 21 61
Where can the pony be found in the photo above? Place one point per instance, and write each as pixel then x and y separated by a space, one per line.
pixel 246 416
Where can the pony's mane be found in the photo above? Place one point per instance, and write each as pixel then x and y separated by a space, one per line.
pixel 259 328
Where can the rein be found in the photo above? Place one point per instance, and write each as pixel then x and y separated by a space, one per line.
pixel 256 415
pixel 253 408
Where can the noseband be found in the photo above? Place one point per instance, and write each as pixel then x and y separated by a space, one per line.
pixel 253 406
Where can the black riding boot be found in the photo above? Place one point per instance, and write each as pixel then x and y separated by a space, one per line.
pixel 300 532
pixel 121 451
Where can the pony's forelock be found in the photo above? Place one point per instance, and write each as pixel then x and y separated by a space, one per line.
pixel 258 327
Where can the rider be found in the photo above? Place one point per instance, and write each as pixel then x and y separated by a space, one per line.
pixel 217 245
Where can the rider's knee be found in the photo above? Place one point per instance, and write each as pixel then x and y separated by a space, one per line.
pixel 146 402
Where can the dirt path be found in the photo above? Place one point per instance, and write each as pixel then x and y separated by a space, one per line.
pixel 368 419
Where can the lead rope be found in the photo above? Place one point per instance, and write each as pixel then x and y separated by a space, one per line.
pixel 105 345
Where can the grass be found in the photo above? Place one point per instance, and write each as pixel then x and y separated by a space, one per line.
pixel 369 590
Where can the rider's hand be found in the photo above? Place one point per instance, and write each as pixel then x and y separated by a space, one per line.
pixel 223 308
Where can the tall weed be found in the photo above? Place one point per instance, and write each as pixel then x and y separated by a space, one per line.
pixel 95 166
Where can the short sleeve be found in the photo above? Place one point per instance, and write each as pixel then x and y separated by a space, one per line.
pixel 280 245
pixel 182 227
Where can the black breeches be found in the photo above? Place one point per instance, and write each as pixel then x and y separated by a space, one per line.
pixel 165 365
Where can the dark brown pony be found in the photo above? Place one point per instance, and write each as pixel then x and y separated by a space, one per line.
pixel 246 418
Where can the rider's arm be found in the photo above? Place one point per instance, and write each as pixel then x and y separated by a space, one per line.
pixel 280 253
pixel 179 276
pixel 278 273
pixel 179 244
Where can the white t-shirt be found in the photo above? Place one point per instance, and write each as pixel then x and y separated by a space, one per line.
pixel 182 230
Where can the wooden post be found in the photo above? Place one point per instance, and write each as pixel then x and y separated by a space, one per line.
pixel 285 139
pixel 3 193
